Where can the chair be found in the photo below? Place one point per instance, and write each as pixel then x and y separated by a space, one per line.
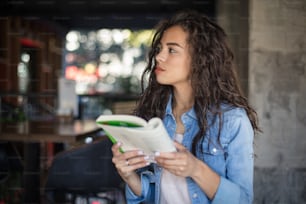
pixel 4 165
pixel 85 172
pixel 11 170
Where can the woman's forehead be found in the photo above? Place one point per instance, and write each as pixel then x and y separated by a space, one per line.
pixel 175 34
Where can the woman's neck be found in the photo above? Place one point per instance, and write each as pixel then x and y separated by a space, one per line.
pixel 182 100
pixel 178 109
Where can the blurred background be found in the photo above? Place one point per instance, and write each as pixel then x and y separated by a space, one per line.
pixel 80 59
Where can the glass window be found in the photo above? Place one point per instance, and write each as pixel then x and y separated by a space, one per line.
pixel 106 60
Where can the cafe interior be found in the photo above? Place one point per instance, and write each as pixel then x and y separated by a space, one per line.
pixel 64 63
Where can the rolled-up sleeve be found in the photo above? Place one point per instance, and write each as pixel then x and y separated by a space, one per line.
pixel 237 185
pixel 147 193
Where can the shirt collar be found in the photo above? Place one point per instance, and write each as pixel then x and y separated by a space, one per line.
pixel 191 113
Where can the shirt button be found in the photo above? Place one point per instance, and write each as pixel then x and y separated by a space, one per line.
pixel 195 195
pixel 214 150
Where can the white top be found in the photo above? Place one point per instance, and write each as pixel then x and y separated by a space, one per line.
pixel 174 188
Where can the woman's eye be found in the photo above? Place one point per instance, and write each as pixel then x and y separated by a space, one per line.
pixel 171 50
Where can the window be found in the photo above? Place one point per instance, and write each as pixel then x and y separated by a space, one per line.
pixel 106 60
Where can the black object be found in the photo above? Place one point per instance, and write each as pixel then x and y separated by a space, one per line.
pixel 87 170
pixel 10 161
pixel 4 165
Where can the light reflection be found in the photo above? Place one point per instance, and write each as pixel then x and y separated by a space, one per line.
pixel 104 38
pixel 90 68
pixel 23 72
pixel 71 46
pixel 72 40
pixel 117 36
pixel 106 59
pixel 72 36
pixel 25 57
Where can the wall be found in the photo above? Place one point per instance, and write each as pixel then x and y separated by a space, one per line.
pixel 36 36
pixel 232 16
pixel 269 41
pixel 277 87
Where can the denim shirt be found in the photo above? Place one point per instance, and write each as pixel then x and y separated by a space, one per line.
pixel 231 158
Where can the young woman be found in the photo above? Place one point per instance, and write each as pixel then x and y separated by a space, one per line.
pixel 192 86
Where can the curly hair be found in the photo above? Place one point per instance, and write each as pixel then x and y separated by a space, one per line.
pixel 213 75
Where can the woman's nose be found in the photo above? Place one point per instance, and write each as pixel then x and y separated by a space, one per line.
pixel 160 57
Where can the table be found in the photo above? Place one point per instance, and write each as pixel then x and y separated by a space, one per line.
pixel 33 134
pixel 47 131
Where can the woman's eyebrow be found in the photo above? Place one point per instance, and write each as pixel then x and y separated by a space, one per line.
pixel 174 44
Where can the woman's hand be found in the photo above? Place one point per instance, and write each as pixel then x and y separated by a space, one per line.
pixel 183 163
pixel 127 162
pixel 180 163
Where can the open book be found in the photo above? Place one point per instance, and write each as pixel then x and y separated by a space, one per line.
pixel 136 133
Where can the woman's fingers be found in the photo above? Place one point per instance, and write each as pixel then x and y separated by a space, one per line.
pixel 180 163
pixel 179 146
pixel 126 163
pixel 116 149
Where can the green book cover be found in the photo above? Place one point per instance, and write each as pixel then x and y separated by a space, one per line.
pixel 135 133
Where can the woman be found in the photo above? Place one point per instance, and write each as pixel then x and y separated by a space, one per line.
pixel 192 86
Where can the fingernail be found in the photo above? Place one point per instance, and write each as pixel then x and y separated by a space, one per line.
pixel 157 153
pixel 118 143
pixel 140 152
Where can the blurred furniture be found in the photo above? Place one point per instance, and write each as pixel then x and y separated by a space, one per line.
pixel 35 134
pixel 17 107
pixel 11 168
pixel 87 173
pixel 4 163
pixel 124 107
pixel 48 131
pixel 92 105
pixel 42 43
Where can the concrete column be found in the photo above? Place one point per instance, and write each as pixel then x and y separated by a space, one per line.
pixel 233 17
pixel 277 88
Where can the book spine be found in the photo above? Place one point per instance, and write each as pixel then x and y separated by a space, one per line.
pixel 114 141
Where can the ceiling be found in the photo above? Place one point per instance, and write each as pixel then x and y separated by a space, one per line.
pixel 91 14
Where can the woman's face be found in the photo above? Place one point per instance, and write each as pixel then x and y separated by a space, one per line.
pixel 173 61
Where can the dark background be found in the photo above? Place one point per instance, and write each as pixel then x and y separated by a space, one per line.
pixel 90 14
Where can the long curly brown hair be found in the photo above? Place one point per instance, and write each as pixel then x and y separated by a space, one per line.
pixel 213 76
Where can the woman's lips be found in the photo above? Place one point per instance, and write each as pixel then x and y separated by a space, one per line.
pixel 158 70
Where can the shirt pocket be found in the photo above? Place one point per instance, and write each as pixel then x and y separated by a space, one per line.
pixel 215 157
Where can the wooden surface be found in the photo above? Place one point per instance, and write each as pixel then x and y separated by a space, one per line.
pixel 35 135
pixel 47 131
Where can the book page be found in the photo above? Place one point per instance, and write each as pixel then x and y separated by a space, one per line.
pixel 123 120
pixel 151 138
